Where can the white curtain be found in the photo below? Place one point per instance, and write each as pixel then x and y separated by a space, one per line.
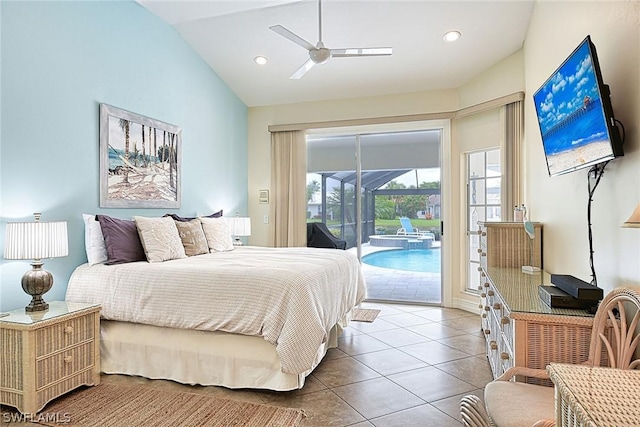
pixel 288 208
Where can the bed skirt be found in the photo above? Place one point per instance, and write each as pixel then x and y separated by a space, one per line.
pixel 198 357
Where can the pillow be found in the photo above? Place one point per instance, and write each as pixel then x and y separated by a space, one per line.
pixel 217 233
pixel 94 240
pixel 186 219
pixel 160 238
pixel 121 240
pixel 192 236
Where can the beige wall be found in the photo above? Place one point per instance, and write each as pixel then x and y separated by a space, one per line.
pixel 480 131
pixel 560 203
pixel 502 79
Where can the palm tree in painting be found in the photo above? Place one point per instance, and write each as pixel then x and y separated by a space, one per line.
pixel 155 143
pixel 124 125
pixel 148 160
pixel 171 159
pixel 136 154
pixel 144 152
pixel 163 148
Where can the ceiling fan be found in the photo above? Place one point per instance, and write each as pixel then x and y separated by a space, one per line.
pixel 319 54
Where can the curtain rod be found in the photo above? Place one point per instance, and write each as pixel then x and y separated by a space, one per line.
pixel 483 106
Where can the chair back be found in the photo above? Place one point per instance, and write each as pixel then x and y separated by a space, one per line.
pixel 406 224
pixel 614 330
pixel 319 236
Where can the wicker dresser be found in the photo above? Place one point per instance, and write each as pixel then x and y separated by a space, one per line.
pixel 594 396
pixel 506 244
pixel 46 354
pixel 520 329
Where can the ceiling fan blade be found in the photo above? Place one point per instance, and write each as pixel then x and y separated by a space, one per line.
pixel 291 36
pixel 362 51
pixel 302 70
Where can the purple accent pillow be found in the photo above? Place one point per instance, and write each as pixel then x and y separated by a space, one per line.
pixel 186 219
pixel 121 239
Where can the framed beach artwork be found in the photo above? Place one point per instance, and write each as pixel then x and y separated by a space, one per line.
pixel 140 161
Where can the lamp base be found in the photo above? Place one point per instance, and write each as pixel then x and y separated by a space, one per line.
pixel 37 282
pixel 237 242
pixel 36 304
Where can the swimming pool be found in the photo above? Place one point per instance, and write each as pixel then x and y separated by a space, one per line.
pixel 422 260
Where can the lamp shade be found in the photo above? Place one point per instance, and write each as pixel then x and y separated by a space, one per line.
pixel 240 226
pixel 36 240
pixel 634 219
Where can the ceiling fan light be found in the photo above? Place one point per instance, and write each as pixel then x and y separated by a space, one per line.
pixel 451 36
pixel 260 60
pixel 320 56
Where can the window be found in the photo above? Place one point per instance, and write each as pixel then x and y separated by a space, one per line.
pixel 484 187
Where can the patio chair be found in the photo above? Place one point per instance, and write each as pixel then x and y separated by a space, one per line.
pixel 510 403
pixel 408 229
pixel 319 236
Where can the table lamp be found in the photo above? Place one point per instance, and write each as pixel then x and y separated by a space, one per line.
pixel 36 241
pixel 239 226
pixel 634 219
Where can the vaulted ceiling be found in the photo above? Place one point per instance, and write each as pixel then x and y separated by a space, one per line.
pixel 228 35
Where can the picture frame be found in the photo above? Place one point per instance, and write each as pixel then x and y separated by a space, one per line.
pixel 140 161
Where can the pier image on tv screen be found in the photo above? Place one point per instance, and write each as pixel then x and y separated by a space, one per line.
pixel 571 115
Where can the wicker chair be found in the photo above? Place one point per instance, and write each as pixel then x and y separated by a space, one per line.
pixel 510 403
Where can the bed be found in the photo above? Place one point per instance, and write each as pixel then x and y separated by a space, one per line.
pixel 251 317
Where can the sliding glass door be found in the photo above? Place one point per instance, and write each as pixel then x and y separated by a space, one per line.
pixel 380 192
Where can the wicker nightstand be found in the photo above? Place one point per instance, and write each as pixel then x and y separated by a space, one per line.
pixel 46 354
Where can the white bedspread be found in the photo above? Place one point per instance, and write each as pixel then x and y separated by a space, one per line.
pixel 290 296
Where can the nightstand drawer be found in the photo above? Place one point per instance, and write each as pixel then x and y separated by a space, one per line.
pixel 65 334
pixel 64 364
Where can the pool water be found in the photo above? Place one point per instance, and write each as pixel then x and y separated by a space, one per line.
pixel 422 260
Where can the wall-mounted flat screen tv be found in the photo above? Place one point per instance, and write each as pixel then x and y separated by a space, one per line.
pixel 575 115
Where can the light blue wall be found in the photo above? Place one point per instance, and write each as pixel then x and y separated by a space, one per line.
pixel 60 60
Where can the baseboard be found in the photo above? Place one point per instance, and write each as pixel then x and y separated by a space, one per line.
pixel 466 305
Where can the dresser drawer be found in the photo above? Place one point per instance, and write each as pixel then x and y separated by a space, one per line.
pixel 506 325
pixel 482 247
pixel 505 355
pixel 65 334
pixel 66 363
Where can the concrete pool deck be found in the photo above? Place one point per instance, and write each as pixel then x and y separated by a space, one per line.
pixel 385 284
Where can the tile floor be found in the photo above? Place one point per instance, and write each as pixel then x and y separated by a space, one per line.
pixel 408 368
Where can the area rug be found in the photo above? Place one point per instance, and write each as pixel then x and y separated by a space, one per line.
pixel 112 405
pixel 364 314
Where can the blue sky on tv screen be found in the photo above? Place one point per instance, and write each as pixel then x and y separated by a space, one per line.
pixel 560 101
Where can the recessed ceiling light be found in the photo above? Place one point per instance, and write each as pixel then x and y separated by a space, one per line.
pixel 451 36
pixel 260 60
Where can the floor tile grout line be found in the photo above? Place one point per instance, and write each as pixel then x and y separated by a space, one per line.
pixel 332 389
pixel 453 375
pixel 467 356
pixel 427 363
pixel 424 402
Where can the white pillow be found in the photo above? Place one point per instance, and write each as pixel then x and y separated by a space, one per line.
pixel 94 240
pixel 160 238
pixel 218 234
